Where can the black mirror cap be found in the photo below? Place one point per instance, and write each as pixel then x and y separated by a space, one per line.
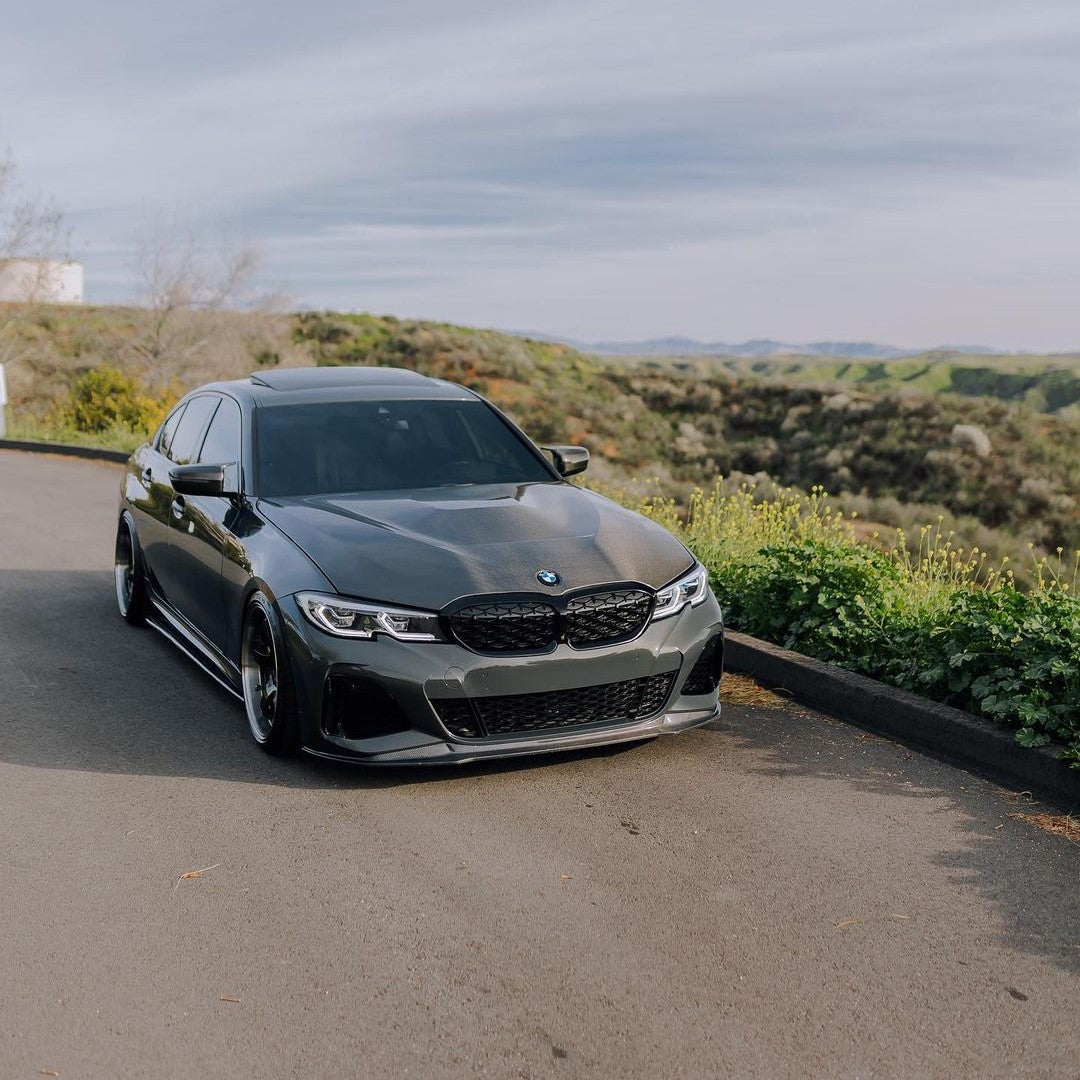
pixel 202 479
pixel 569 460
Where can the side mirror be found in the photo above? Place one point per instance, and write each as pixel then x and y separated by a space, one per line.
pixel 569 460
pixel 201 480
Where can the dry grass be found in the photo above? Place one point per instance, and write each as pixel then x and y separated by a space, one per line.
pixel 1064 825
pixel 47 347
pixel 742 690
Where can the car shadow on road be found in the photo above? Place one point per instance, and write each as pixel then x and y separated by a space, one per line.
pixel 1027 875
pixel 84 691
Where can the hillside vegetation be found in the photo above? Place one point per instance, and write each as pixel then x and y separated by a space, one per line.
pixel 1045 383
pixel 1004 474
pixel 925 616
pixel 684 429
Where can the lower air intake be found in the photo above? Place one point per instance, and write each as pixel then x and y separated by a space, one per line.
pixel 357 708
pixel 513 714
pixel 704 676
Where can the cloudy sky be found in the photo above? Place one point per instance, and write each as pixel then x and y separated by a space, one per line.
pixel 607 169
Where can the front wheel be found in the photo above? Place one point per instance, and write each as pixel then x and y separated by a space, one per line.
pixel 264 671
pixel 131 596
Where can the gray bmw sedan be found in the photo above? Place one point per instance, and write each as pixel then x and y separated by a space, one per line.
pixel 385 569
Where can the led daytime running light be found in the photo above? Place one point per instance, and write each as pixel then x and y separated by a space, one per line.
pixel 352 619
pixel 692 590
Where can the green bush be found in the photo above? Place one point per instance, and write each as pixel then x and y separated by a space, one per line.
pixel 822 597
pixel 1011 656
pixel 106 398
pixel 937 620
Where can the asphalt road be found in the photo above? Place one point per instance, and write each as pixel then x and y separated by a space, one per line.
pixel 777 894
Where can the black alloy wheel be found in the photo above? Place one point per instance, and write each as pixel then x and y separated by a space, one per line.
pixel 131 597
pixel 264 672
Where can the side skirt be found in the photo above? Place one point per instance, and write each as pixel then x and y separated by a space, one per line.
pixel 187 639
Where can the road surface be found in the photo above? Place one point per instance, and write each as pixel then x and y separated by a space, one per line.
pixel 777 894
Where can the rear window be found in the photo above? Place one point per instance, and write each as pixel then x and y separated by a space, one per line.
pixel 168 429
pixel 388 445
pixel 188 436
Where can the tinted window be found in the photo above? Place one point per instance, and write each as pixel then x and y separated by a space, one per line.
pixel 222 443
pixel 168 429
pixel 189 431
pixel 384 445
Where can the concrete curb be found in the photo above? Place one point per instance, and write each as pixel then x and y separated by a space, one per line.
pixel 966 740
pixel 66 449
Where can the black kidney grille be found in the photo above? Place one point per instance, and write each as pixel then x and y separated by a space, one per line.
pixel 603 618
pixel 599 618
pixel 506 626
pixel 634 699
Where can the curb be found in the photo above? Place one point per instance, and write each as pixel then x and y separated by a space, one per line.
pixel 66 449
pixel 969 741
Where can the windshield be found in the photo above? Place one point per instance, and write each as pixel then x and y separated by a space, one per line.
pixel 350 446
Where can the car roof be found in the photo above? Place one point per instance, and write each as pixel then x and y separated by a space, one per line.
pixel 317 378
pixel 311 385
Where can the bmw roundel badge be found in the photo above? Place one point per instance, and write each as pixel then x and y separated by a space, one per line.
pixel 547 577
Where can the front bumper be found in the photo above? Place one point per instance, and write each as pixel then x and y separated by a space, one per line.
pixel 416 674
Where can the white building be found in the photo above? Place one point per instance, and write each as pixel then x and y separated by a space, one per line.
pixel 48 281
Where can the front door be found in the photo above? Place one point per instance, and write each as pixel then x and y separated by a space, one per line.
pixel 150 493
pixel 182 450
pixel 199 532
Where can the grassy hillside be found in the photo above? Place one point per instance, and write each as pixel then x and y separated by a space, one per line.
pixel 684 428
pixel 1045 383
pixel 1007 476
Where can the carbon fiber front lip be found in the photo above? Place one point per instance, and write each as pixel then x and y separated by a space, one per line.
pixel 449 753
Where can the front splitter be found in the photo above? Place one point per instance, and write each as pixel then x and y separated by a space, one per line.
pixel 464 753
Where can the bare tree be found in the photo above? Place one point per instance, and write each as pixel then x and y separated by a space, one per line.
pixel 185 289
pixel 31 227
pixel 33 239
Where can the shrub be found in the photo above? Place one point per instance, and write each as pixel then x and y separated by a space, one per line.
pixel 824 597
pixel 936 619
pixel 1013 657
pixel 106 398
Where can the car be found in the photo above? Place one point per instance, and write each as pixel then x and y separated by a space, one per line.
pixel 385 569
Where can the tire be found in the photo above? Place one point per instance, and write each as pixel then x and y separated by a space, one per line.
pixel 266 675
pixel 129 574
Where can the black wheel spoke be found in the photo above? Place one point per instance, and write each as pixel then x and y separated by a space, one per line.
pixel 260 674
pixel 125 571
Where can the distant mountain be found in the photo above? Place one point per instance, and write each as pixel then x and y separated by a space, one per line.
pixel 684 346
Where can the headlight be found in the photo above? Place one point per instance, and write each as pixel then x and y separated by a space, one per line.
pixel 350 618
pixel 691 590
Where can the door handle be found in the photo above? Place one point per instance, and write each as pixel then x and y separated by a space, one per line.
pixel 178 507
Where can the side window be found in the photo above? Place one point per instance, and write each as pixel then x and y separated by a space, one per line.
pixel 222 443
pixel 168 430
pixel 189 432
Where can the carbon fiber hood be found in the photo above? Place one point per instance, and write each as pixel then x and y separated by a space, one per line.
pixel 425 548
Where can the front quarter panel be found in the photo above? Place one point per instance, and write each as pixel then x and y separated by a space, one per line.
pixel 145 491
pixel 258 555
